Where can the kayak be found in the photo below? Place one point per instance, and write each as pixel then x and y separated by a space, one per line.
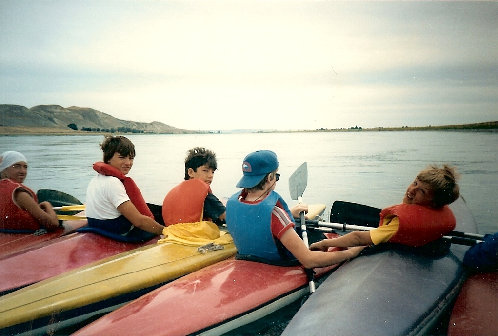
pixel 58 256
pixel 15 243
pixel 394 290
pixel 218 298
pixel 476 307
pixel 61 301
pixel 212 301
pixel 67 252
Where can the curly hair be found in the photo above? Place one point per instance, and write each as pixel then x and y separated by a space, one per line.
pixel 199 156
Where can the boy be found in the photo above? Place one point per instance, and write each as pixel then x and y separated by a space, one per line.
pixel 261 223
pixel 114 204
pixel 19 208
pixel 422 217
pixel 192 200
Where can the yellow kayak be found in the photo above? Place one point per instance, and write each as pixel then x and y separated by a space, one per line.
pixel 61 301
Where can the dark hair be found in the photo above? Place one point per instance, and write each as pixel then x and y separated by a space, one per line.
pixel 443 182
pixel 117 144
pixel 199 156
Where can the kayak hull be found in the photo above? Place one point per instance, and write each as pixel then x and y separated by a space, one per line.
pixel 99 287
pixel 219 298
pixel 476 307
pixel 394 291
pixel 61 255
pixel 15 243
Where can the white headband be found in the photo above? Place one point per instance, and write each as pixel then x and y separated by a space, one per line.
pixel 8 158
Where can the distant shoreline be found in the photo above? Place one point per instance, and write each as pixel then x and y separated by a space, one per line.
pixel 491 126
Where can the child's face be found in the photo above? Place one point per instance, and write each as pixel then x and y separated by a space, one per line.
pixel 123 163
pixel 16 172
pixel 419 193
pixel 203 173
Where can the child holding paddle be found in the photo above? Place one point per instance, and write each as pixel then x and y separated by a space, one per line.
pixel 19 208
pixel 114 204
pixel 261 223
pixel 192 200
pixel 422 217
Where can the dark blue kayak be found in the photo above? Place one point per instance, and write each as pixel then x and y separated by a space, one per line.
pixel 391 290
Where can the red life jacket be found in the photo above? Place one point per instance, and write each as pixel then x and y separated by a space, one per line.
pixel 131 188
pixel 13 218
pixel 419 225
pixel 185 202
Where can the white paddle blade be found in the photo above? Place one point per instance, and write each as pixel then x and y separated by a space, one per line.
pixel 298 181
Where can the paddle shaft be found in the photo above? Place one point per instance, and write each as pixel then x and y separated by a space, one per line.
pixel 455 237
pixel 304 234
pixel 70 207
pixel 297 185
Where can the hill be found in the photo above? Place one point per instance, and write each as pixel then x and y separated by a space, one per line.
pixel 16 119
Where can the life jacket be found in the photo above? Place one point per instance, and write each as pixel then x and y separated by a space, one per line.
pixel 250 227
pixel 13 218
pixel 131 188
pixel 185 202
pixel 419 225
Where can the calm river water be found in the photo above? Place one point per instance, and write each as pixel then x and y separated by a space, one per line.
pixel 372 168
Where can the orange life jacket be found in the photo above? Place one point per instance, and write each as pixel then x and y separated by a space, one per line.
pixel 185 202
pixel 419 225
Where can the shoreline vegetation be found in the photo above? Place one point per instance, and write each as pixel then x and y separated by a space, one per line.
pixel 490 126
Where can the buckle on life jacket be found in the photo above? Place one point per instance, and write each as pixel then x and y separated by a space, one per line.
pixel 209 247
pixel 40 232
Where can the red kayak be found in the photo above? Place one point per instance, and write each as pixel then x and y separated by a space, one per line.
pixel 58 256
pixel 14 243
pixel 213 300
pixel 476 308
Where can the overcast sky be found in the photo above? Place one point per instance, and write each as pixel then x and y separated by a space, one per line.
pixel 290 64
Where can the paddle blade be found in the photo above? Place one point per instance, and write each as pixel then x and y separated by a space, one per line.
pixel 354 213
pixel 57 198
pixel 298 181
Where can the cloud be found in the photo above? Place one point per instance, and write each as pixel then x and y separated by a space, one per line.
pixel 209 65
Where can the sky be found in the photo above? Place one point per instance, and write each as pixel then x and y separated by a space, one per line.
pixel 253 64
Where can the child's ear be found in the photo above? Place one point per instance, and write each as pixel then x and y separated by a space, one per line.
pixel 190 172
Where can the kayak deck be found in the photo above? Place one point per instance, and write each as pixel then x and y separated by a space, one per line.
pixel 394 291
pixel 48 303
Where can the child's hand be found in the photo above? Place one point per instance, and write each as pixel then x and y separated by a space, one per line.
pixel 319 246
pixel 296 210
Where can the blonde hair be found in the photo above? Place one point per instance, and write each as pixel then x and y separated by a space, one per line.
pixel 443 181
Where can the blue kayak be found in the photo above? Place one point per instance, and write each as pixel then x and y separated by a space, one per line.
pixel 392 290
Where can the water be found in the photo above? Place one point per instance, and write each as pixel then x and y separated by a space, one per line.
pixel 372 168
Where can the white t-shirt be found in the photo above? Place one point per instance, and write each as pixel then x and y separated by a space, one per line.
pixel 103 195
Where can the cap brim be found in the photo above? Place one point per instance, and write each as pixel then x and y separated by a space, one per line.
pixel 249 181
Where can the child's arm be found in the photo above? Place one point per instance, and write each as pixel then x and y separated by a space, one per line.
pixel 356 238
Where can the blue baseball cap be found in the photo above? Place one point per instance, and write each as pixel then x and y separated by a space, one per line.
pixel 255 166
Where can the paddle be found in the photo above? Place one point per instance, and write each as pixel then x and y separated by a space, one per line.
pixel 462 240
pixel 80 207
pixel 56 198
pixel 297 184
pixel 62 202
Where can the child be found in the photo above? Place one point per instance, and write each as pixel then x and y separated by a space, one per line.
pixel 19 208
pixel 261 223
pixel 192 200
pixel 114 203
pixel 422 217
